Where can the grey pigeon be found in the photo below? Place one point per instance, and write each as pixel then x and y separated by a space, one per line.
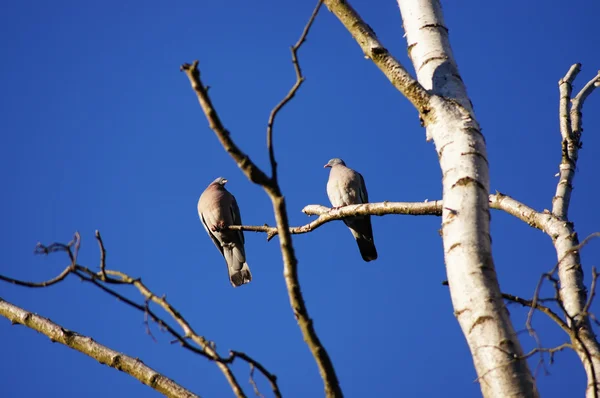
pixel 217 208
pixel 347 187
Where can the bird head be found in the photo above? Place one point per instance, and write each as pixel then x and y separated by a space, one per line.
pixel 220 181
pixel 333 162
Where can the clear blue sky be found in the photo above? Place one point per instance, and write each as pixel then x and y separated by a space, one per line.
pixel 100 130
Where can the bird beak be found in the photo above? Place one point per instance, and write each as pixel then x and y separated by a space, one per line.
pixel 326 166
pixel 225 180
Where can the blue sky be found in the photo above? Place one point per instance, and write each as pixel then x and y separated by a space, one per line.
pixel 100 130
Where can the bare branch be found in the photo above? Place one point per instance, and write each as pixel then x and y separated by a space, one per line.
pixel 254 386
pixel 202 346
pixel 497 201
pixel 534 351
pixel 550 274
pixel 271 187
pixel 535 305
pixel 254 364
pixel 206 347
pixel 588 304
pixel 523 212
pixel 102 254
pixel 47 283
pixel 292 92
pixel 575 307
pixel 570 146
pixel 375 209
pixel 327 214
pixel 251 171
pixel 573 296
pixel 582 336
pixel 53 248
pixel 565 86
pixel 99 352
pixel 577 105
pixel 570 129
pixel 373 49
pixel 550 351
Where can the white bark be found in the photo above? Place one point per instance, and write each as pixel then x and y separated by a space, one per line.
pixel 573 293
pixel 474 288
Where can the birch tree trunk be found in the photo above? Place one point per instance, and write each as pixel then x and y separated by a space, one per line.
pixel 474 289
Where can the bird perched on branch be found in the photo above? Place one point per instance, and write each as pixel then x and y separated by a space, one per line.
pixel 218 209
pixel 347 187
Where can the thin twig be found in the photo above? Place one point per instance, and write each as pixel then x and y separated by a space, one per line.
pixel 102 254
pixel 550 351
pixel 299 80
pixel 146 323
pixel 254 386
pixel 537 306
pixel 47 283
pixel 271 377
pixel 512 357
pixel 588 304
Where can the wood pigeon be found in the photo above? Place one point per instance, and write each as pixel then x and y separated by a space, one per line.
pixel 217 208
pixel 347 187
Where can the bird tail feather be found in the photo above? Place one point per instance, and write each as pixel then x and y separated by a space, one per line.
pixel 240 277
pixel 366 246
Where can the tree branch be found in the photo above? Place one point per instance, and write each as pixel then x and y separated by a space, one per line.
pixel 47 283
pixel 542 221
pixel 577 105
pixel 560 202
pixel 327 214
pixel 86 345
pixel 255 364
pixel 299 80
pixel 105 277
pixel 570 272
pixel 592 294
pixel 374 50
pixel 582 335
pixel 535 305
pixel 271 187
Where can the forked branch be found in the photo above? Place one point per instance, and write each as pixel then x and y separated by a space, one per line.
pixel 272 188
pixel 188 338
pixel 573 295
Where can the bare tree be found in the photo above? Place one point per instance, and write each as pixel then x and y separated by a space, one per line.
pixel 440 97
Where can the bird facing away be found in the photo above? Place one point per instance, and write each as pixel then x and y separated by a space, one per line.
pixel 347 187
pixel 217 209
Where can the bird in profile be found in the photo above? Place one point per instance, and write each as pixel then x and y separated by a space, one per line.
pixel 218 209
pixel 347 187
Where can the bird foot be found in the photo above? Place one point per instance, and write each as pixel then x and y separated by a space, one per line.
pixel 220 226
